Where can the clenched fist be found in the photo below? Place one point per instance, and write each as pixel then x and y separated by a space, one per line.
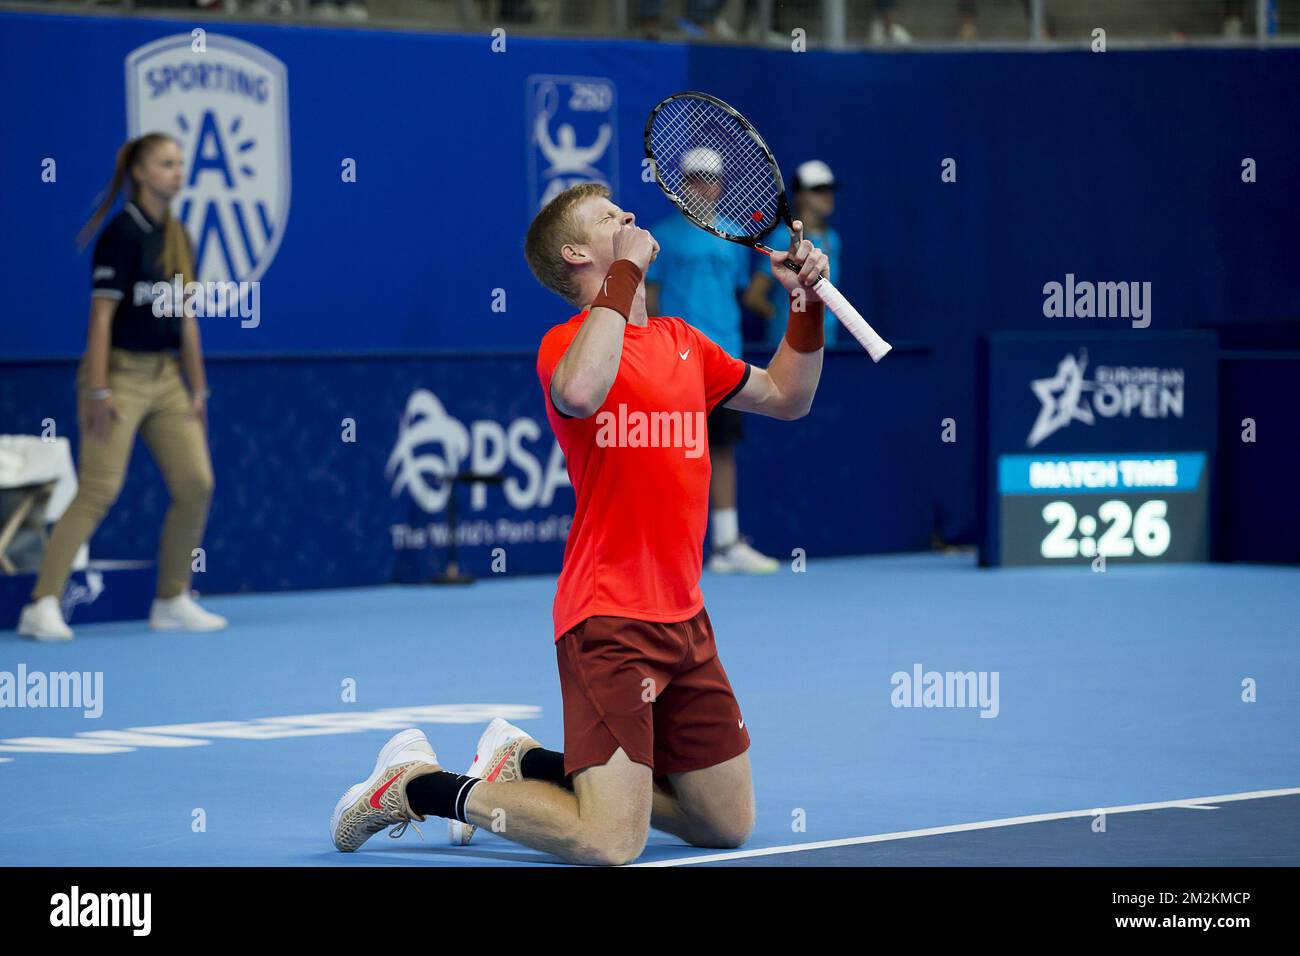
pixel 635 244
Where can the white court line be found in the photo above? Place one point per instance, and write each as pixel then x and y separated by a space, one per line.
pixel 1191 803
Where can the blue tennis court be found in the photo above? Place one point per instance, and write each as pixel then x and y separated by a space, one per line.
pixel 1106 692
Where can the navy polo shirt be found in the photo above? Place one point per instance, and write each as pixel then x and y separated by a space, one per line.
pixel 126 263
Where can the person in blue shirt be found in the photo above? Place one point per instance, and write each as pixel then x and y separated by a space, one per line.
pixel 814 203
pixel 697 278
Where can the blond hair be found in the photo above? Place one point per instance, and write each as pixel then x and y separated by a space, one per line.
pixel 177 254
pixel 550 231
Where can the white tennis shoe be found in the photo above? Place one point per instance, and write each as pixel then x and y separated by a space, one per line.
pixel 182 613
pixel 740 558
pixel 43 620
pixel 496 760
pixel 379 801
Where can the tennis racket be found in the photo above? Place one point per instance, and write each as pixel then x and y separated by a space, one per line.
pixel 695 134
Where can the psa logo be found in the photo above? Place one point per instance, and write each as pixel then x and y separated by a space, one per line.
pixel 1127 391
pixel 571 135
pixel 228 107
pixel 433 447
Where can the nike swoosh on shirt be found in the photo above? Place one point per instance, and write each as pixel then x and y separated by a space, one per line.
pixel 683 355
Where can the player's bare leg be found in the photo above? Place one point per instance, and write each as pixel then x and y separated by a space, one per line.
pixel 713 807
pixel 603 822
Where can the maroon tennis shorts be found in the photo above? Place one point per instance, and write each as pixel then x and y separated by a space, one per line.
pixel 656 690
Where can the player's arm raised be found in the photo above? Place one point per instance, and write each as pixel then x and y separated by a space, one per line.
pixel 589 366
pixel 786 387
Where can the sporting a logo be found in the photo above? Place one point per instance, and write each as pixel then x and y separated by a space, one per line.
pixel 228 107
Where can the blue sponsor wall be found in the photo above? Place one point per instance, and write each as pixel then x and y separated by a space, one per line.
pixel 328 468
pixel 1122 166
pixel 1259 456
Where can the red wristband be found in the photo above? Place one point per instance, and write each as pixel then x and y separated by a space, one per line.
pixel 805 331
pixel 619 288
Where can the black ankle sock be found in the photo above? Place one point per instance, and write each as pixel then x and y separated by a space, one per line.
pixel 542 764
pixel 441 794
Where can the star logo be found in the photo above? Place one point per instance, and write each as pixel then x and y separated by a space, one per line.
pixel 1060 397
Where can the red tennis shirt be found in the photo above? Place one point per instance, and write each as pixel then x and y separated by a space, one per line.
pixel 640 470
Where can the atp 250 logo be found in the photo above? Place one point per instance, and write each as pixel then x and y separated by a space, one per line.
pixel 572 136
pixel 228 106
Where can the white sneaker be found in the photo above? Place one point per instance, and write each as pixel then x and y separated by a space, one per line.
pixel 182 614
pixel 496 760
pixel 899 34
pixel 379 801
pixel 740 558
pixel 43 620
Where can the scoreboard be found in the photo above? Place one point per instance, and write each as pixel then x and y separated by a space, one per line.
pixel 1117 506
pixel 1097 446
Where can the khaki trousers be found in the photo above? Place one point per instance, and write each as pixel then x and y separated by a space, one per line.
pixel 151 399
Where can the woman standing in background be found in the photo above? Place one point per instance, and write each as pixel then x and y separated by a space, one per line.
pixel 129 381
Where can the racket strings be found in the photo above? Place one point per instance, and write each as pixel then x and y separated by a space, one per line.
pixel 724 154
pixel 695 138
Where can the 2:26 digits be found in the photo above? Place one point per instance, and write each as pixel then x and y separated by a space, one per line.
pixel 1150 533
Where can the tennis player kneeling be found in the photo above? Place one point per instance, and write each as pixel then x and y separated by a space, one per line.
pixel 653 735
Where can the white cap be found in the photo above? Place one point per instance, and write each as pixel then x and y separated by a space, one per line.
pixel 702 160
pixel 812 174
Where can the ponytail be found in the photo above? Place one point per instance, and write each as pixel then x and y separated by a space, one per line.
pixel 126 157
pixel 177 255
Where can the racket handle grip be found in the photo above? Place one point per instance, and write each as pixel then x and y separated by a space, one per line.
pixel 852 320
